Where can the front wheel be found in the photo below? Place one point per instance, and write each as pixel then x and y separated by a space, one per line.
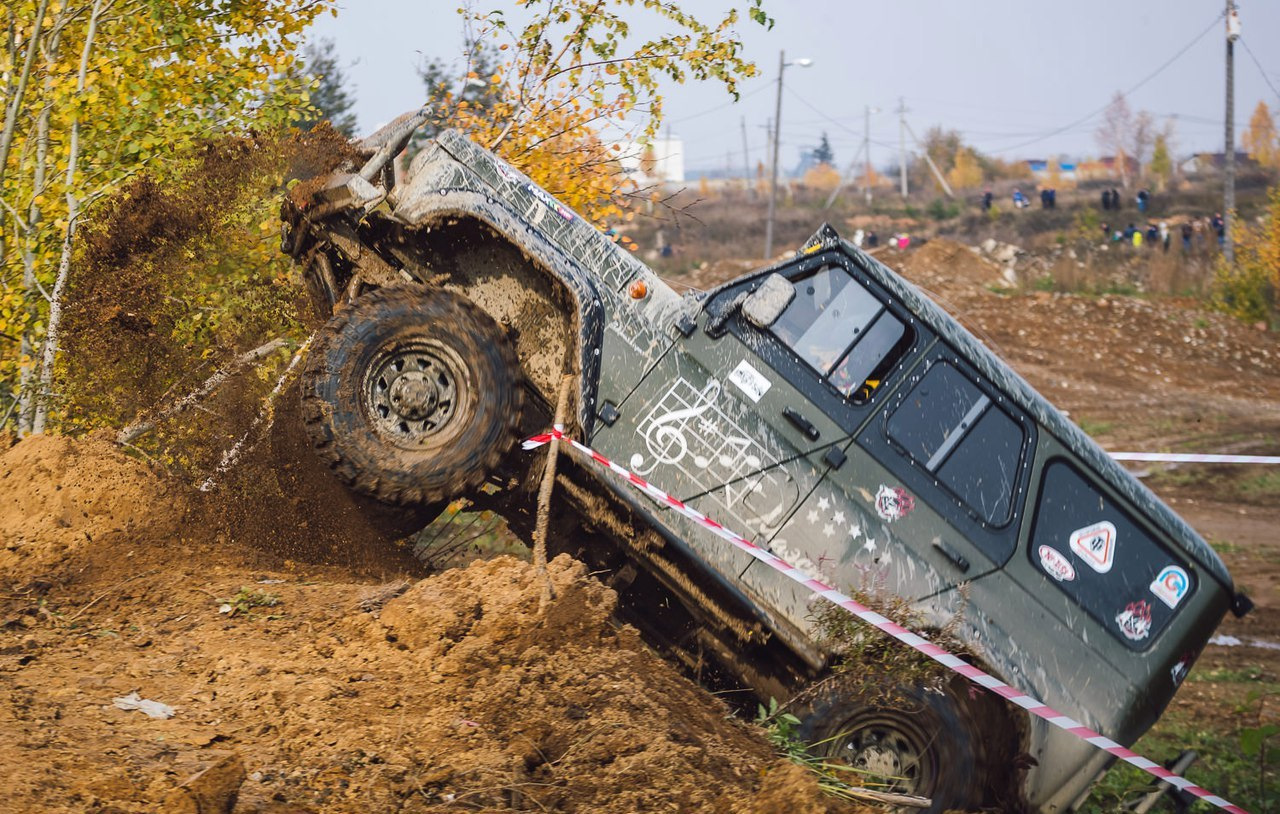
pixel 412 395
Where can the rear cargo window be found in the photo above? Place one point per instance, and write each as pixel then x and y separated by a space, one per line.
pixel 1093 551
pixel 843 331
pixel 952 429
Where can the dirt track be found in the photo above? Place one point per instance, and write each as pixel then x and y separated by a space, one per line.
pixel 365 687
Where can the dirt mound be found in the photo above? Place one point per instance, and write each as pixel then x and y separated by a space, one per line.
pixel 298 689
pixel 59 495
pixel 947 268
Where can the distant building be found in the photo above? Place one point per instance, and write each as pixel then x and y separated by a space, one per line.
pixel 1042 170
pixel 1210 163
pixel 1104 168
pixel 655 162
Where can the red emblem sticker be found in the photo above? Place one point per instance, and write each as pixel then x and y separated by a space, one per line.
pixel 1056 564
pixel 1096 545
pixel 1135 620
pixel 893 503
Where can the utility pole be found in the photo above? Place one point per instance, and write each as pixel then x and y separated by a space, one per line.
pixel 777 137
pixel 773 167
pixel 1229 185
pixel 902 145
pixel 746 160
pixel 866 151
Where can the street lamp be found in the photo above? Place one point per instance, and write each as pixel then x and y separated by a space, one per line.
pixel 777 136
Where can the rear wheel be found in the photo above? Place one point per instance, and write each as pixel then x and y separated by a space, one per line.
pixel 412 395
pixel 917 744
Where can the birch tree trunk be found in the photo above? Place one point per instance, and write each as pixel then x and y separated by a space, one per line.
pixel 64 263
pixel 26 350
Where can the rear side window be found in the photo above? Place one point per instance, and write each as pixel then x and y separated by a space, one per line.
pixel 1093 551
pixel 843 331
pixel 954 430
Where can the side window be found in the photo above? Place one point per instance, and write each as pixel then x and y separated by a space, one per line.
pixel 954 431
pixel 1094 552
pixel 843 331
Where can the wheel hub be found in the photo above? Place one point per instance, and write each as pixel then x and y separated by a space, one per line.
pixel 411 392
pixel 414 396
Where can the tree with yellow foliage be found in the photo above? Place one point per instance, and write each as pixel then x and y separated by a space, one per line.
pixel 575 74
pixel 966 172
pixel 1250 288
pixel 93 93
pixel 1260 141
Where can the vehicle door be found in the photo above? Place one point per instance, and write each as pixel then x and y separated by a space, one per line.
pixel 731 420
pixel 932 490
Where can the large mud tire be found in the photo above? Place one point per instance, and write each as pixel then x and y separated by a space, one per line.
pixel 412 395
pixel 919 742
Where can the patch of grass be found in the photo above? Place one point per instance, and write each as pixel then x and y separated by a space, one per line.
pixel 1223 767
pixel 1264 485
pixel 1223 546
pixel 1096 428
pixel 245 602
pixel 1223 675
pixel 1045 283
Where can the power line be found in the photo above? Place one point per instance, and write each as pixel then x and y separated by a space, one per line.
pixel 1265 78
pixel 718 108
pixel 1144 81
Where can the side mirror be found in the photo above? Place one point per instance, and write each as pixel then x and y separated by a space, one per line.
pixel 767 302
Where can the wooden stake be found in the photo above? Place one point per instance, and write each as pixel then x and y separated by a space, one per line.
pixel 544 495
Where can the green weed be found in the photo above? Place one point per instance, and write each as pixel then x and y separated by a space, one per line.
pixel 245 602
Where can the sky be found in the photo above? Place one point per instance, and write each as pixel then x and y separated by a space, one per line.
pixel 1019 78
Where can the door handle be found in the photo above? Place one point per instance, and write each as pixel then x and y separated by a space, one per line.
pixel 957 559
pixel 801 423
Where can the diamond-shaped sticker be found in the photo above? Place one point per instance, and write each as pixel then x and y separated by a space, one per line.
pixel 1096 545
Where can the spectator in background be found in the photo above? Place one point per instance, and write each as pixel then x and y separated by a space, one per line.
pixel 1137 237
pixel 1187 231
pixel 1153 234
pixel 1219 227
pixel 858 237
pixel 1143 199
pixel 1115 199
pixel 1106 200
pixel 1127 235
pixel 1164 235
pixel 1106 230
pixel 873 239
pixel 1053 198
pixel 987 198
pixel 1044 197
pixel 1019 200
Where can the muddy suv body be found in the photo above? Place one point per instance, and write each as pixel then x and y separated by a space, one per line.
pixel 827 410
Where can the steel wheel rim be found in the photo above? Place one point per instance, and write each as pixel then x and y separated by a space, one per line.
pixel 413 392
pixel 890 746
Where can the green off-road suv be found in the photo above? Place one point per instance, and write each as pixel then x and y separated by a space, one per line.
pixel 823 407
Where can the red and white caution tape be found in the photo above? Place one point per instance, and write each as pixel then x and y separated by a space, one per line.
pixel 1194 458
pixel 912 640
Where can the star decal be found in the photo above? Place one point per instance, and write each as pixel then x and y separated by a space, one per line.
pixel 828 530
pixel 838 518
pixel 869 545
pixel 812 516
pixel 824 504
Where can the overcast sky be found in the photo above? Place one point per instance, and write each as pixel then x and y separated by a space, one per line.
pixel 1015 76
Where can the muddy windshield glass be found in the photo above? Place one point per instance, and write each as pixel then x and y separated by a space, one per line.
pixel 841 329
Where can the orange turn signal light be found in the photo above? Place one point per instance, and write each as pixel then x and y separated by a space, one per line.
pixel 638 290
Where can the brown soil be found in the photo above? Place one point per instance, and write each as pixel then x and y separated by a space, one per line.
pixel 306 688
